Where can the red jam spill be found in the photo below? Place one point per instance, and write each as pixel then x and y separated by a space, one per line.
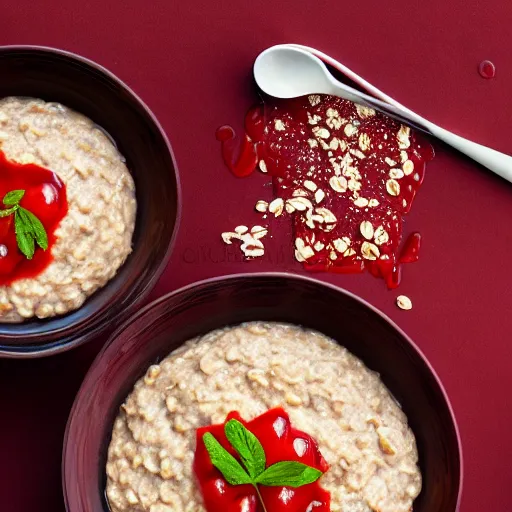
pixel 45 197
pixel 277 437
pixel 487 69
pixel 241 157
pixel 301 140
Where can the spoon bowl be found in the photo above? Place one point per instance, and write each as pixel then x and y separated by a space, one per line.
pixel 289 73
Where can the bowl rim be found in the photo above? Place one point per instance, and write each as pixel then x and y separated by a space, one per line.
pixel 56 347
pixel 255 276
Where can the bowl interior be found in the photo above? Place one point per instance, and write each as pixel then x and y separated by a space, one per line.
pixel 212 304
pixel 87 88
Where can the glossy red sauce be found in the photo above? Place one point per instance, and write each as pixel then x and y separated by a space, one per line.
pixel 45 197
pixel 487 69
pixel 277 437
pixel 282 134
pixel 242 156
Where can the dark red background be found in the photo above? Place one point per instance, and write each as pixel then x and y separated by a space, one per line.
pixel 191 62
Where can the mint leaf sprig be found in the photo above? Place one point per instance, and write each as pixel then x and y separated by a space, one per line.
pixel 29 229
pixel 252 455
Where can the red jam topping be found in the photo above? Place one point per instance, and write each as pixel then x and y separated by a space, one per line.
pixel 281 442
pixel 347 174
pixel 45 197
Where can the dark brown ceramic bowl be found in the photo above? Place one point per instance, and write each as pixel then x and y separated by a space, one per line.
pixel 86 87
pixel 164 325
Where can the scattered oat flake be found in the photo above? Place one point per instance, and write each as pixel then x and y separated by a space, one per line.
pixel 396 174
pixel 364 142
pixel 370 251
pixel 354 185
pixel 276 207
pixel 364 112
pixel 310 185
pixel 340 245
pixel 366 229
pixel 314 120
pixel 326 214
pixel 251 246
pixel 323 133
pixel 241 230
pixel 408 167
pixel 258 232
pixel 361 202
pixel 279 125
pixel 303 252
pixel 300 203
pixel 338 183
pixel 381 236
pixel 314 99
pixel 319 196
pixel 227 237
pixel 261 206
pixel 289 208
pixel 404 302
pixel 350 130
pixel 393 187
pixel 403 137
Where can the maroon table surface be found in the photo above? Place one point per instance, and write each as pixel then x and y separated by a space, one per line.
pixel 191 62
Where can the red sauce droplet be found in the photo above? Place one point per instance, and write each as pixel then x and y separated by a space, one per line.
pixel 411 249
pixel 281 442
pixel 241 156
pixel 487 69
pixel 45 197
pixel 255 123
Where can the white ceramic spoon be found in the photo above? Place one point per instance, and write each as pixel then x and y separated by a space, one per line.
pixel 290 71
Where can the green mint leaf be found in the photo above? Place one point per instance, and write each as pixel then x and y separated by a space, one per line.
pixel 288 474
pixel 24 237
pixel 13 197
pixel 29 229
pixel 38 231
pixel 248 447
pixel 230 468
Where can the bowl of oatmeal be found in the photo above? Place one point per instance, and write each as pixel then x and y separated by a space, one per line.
pixel 87 177
pixel 319 399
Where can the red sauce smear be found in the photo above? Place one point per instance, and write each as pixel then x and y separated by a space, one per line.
pixel 45 197
pixel 277 437
pixel 378 166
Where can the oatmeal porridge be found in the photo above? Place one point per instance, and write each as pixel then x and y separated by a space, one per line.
pixel 251 371
pixel 89 238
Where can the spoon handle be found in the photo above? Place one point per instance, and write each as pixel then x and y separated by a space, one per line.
pixel 497 162
pixel 396 112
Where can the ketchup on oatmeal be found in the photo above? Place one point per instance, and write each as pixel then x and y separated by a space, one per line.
pixel 281 442
pixel 45 197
